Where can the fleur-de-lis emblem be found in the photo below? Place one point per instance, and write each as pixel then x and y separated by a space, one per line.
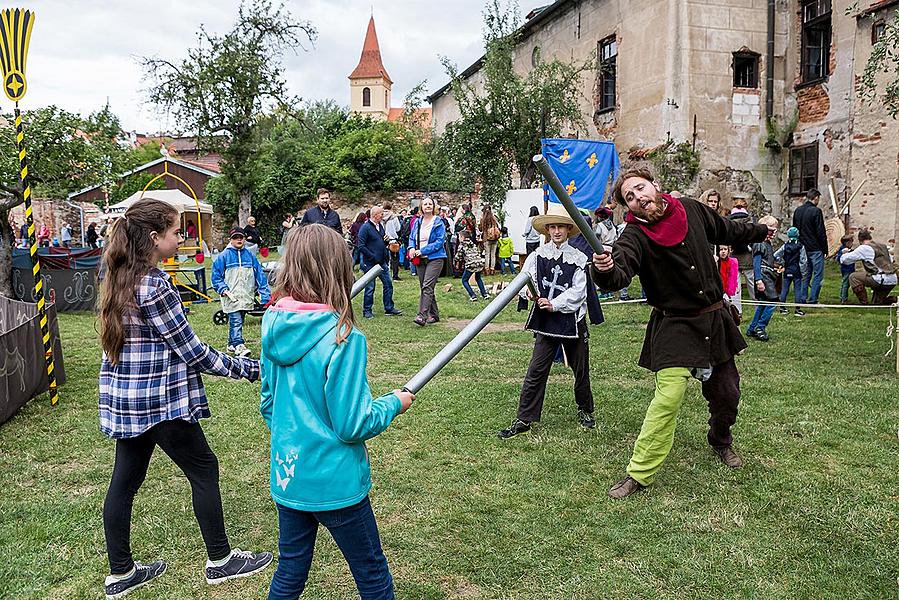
pixel 565 156
pixel 571 188
pixel 591 162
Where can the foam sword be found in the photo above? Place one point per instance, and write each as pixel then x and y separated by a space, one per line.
pixel 449 352
pixel 562 194
pixel 462 339
pixel 364 280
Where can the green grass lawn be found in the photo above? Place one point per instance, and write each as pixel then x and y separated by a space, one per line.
pixel 465 515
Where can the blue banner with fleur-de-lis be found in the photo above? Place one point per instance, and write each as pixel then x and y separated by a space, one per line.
pixel 585 167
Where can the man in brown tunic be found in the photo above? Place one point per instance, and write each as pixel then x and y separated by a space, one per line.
pixel 690 332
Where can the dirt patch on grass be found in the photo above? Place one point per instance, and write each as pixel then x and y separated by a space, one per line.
pixel 459 325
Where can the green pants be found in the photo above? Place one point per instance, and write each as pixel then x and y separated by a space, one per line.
pixel 657 434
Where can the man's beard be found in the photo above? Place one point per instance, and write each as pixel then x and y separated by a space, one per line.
pixel 654 212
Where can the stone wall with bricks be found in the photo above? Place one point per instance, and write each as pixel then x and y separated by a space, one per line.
pixel 675 80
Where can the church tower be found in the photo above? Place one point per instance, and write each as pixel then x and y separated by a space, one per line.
pixel 369 82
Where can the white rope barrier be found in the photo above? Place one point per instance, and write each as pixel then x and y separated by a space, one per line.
pixel 766 303
pixel 797 305
pixel 891 330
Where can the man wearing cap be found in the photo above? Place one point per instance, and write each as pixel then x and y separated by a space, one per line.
pixel 743 252
pixel 557 318
pixel 691 332
pixel 879 273
pixel 237 276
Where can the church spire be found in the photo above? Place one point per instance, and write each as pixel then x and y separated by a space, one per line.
pixel 370 64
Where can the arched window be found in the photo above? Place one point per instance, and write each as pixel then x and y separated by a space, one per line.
pixel 366 97
pixel 385 99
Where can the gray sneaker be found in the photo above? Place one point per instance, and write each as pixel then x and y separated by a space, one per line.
pixel 240 564
pixel 143 574
pixel 241 350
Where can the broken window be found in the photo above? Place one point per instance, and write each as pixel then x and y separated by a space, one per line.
pixel 815 40
pixel 803 168
pixel 877 31
pixel 366 96
pixel 608 59
pixel 746 69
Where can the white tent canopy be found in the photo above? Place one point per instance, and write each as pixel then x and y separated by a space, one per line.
pixel 184 203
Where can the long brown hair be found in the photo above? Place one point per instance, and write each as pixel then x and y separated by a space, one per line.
pixel 317 267
pixel 638 170
pixel 128 257
pixel 488 220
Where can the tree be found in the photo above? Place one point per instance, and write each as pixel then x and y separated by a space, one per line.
pixel 65 153
pixel 226 82
pixel 499 128
pixel 883 62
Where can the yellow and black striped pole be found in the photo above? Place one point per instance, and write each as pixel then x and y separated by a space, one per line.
pixel 15 34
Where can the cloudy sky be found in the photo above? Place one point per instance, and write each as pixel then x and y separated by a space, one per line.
pixel 83 51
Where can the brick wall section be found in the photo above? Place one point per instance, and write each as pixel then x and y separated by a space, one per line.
pixel 814 104
pixel 54 213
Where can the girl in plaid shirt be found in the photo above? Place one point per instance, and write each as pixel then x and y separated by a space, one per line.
pixel 151 394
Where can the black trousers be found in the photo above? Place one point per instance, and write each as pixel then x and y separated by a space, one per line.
pixel 186 445
pixel 722 392
pixel 395 264
pixel 533 390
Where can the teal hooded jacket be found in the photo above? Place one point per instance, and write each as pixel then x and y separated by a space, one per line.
pixel 318 407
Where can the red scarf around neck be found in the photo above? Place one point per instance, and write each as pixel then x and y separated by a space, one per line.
pixel 671 229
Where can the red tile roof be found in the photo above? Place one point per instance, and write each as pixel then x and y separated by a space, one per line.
pixel 370 64
pixel 422 116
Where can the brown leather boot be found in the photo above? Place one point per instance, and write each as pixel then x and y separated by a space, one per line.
pixel 861 293
pixel 625 488
pixel 729 457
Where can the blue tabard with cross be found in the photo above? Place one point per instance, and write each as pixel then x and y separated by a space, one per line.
pixel 553 278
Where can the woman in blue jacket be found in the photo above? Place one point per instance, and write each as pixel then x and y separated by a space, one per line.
pixel 426 245
pixel 319 408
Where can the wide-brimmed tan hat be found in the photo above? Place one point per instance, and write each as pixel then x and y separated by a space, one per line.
pixel 556 214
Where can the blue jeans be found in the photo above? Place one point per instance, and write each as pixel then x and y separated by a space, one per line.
pixel 506 261
pixel 356 533
pixel 466 275
pixel 814 277
pixel 762 317
pixel 235 328
pixel 798 290
pixel 844 288
pixel 368 299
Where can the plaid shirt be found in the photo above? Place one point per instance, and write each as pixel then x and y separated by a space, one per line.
pixel 157 377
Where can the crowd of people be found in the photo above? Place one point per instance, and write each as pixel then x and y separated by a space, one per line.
pixel 45 237
pixel 315 397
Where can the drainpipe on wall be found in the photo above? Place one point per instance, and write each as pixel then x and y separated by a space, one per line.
pixel 769 64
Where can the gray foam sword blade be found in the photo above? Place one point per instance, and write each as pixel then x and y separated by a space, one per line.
pixel 365 279
pixel 562 194
pixel 442 358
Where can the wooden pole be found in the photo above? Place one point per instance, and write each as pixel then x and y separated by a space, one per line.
pixel 35 261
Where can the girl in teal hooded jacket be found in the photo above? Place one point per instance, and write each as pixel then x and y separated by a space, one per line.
pixel 317 403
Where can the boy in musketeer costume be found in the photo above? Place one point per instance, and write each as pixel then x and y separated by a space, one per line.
pixel 557 318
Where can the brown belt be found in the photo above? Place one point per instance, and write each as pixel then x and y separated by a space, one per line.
pixel 710 308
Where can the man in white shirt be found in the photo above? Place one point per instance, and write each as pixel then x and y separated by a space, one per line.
pixel 879 273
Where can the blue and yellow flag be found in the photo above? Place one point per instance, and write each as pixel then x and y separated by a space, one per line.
pixel 585 167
